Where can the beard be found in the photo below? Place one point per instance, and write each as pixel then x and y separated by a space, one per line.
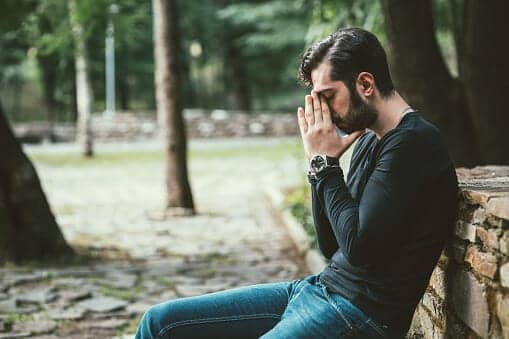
pixel 359 116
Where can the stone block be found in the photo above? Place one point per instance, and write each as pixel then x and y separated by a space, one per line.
pixel 504 275
pixel 503 313
pixel 438 282
pixel 470 303
pixel 479 216
pixel 499 207
pixel 465 231
pixel 504 243
pixel 481 262
pixel 458 251
pixel 488 237
pixel 428 326
pixel 436 307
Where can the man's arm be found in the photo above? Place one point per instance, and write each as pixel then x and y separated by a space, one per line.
pixel 370 230
pixel 326 240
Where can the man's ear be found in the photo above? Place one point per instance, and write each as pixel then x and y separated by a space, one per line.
pixel 365 84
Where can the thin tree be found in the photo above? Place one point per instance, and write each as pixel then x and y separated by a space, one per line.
pixel 84 95
pixel 470 108
pixel 28 229
pixel 169 105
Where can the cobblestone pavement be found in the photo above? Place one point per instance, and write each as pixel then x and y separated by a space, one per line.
pixel 113 210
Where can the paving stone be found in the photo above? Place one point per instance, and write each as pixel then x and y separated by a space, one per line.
pixel 120 280
pixel 35 326
pixel 72 313
pixel 38 296
pixel 73 295
pixel 15 279
pixel 192 290
pixel 102 304
pixel 13 306
pixel 13 335
pixel 138 307
pixel 110 323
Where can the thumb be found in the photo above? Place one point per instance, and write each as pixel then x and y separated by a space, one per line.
pixel 353 136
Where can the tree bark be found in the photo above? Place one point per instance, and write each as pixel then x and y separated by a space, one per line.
pixel 169 103
pixel 237 77
pixel 485 75
pixel 48 67
pixel 421 76
pixel 84 94
pixel 28 229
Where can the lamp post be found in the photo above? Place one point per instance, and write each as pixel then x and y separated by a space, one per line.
pixel 110 63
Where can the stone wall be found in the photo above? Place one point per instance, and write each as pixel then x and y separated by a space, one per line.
pixel 468 294
pixel 199 124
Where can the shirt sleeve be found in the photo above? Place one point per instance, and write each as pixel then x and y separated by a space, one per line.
pixel 373 228
pixel 326 240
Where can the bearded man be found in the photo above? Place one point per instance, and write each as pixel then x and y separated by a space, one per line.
pixel 383 229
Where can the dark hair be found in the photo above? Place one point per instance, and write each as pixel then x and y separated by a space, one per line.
pixel 350 51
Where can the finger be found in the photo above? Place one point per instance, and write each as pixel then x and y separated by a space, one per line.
pixel 326 116
pixel 310 117
pixel 303 125
pixel 317 109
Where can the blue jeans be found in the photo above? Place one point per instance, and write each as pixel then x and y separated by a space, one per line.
pixel 301 308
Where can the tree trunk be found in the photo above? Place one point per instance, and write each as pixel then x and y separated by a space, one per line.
pixel 123 90
pixel 421 76
pixel 237 77
pixel 28 230
pixel 48 64
pixel 48 67
pixel 485 75
pixel 83 86
pixel 169 103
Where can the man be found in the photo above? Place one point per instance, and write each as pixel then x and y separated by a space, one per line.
pixel 383 229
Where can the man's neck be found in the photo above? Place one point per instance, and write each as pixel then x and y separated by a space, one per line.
pixel 390 111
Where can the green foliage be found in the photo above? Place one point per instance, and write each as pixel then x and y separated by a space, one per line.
pixel 298 201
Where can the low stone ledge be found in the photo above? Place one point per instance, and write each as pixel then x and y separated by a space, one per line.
pixel 468 296
pixel 199 124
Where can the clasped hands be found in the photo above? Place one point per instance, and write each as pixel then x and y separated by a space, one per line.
pixel 317 130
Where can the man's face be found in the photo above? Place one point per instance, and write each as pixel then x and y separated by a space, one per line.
pixel 348 111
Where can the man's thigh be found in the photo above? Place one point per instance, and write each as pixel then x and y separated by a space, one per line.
pixel 248 311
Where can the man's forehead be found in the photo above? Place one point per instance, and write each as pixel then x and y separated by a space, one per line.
pixel 320 78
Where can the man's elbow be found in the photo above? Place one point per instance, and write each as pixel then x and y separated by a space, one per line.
pixel 328 251
pixel 358 258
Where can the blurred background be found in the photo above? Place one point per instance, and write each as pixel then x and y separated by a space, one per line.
pixel 241 55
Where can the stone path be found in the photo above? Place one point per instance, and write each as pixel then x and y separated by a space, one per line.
pixel 113 210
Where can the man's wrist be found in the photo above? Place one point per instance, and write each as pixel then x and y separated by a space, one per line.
pixel 319 162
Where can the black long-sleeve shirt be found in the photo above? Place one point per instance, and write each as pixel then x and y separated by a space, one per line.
pixel 385 228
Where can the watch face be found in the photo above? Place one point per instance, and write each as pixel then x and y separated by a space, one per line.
pixel 317 163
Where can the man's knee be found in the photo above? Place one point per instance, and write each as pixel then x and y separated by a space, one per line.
pixel 151 324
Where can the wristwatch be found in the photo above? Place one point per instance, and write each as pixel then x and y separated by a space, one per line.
pixel 320 162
